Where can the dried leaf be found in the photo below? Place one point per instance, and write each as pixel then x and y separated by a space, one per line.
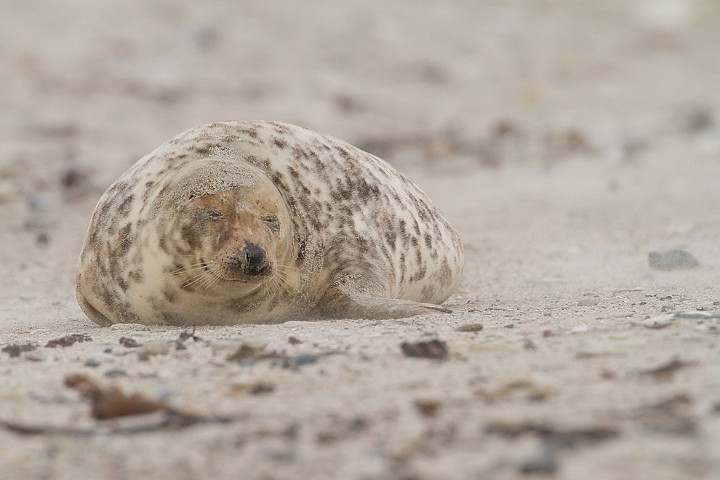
pixel 111 402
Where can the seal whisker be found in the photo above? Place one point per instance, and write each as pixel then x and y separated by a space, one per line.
pixel 194 279
pixel 195 267
pixel 282 280
pixel 182 270
pixel 204 272
pixel 275 286
pixel 211 276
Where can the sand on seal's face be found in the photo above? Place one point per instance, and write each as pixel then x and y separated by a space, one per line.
pixel 263 222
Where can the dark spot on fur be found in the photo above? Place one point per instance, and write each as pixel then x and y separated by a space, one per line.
pixel 280 142
pixel 390 238
pixel 250 132
pixel 428 241
pixel 163 244
pixel 136 276
pixel 280 129
pixel 343 152
pixel 124 240
pixel 124 208
pixel 191 236
pixel 170 295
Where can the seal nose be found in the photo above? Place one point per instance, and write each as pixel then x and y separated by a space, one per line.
pixel 254 259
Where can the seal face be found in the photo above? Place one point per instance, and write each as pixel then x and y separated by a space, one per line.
pixel 264 222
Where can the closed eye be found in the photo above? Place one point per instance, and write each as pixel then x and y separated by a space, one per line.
pixel 272 222
pixel 208 214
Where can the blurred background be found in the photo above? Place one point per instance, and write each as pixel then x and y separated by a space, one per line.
pixel 92 86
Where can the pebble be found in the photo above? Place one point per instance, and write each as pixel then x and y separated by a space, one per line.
pixel 115 373
pixel 587 302
pixel 158 347
pixel 672 260
pixel 707 321
pixel 472 327
pixel 92 362
pixel 299 360
pixel 594 350
pixel 659 321
pixel 542 462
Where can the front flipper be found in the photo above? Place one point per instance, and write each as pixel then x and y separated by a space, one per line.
pixel 355 298
pixel 375 307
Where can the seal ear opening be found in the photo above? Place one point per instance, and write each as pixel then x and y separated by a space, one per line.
pixel 92 313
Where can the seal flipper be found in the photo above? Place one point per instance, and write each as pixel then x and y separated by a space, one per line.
pixel 355 298
pixel 376 307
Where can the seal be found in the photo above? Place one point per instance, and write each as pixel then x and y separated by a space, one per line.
pixel 264 222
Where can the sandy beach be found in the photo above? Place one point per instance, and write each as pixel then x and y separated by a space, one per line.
pixel 565 141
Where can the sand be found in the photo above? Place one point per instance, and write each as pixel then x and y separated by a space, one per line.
pixel 564 140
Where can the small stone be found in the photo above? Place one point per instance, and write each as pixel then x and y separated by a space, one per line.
pixel 543 462
pixel 115 373
pixel 696 315
pixel 42 238
pixel 158 347
pixel 427 407
pixel 294 340
pixel 693 118
pixel 471 327
pixel 92 362
pixel 434 349
pixel 299 360
pixel 247 352
pixel 587 302
pixel 254 388
pixel 128 342
pixel 595 350
pixel 659 321
pixel 672 260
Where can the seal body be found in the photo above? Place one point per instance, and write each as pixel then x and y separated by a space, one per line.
pixel 264 222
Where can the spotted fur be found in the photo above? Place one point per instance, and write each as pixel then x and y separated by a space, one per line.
pixel 351 237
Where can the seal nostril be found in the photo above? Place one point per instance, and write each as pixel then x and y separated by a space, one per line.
pixel 255 258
